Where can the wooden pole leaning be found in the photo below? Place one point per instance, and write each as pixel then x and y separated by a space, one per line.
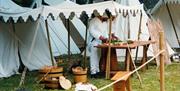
pixel 139 33
pixel 49 42
pixel 109 51
pixel 161 47
pixel 85 46
pixel 69 43
pixel 137 49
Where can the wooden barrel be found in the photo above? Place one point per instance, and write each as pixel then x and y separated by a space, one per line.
pixel 57 83
pixel 80 74
pixel 51 83
pixel 50 72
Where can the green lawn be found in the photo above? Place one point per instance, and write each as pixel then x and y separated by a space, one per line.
pixel 150 81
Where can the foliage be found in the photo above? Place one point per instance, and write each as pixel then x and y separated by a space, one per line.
pixel 149 3
pixel 24 3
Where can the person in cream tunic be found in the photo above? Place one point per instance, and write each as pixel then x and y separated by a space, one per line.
pixel 98 33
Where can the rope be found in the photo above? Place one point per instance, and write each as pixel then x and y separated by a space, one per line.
pixel 57 34
pixel 54 40
pixel 102 88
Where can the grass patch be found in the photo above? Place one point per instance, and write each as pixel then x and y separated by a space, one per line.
pixel 150 81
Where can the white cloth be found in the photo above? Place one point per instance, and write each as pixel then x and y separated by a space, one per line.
pixel 85 87
pixel 96 29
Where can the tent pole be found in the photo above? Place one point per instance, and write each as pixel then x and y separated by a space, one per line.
pixel 137 49
pixel 128 28
pixel 68 29
pixel 139 32
pixel 25 68
pixel 161 47
pixel 49 42
pixel 175 31
pixel 108 59
pixel 85 45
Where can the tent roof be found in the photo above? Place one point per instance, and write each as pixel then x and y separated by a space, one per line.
pixel 162 2
pixel 112 6
pixel 67 7
pixel 17 12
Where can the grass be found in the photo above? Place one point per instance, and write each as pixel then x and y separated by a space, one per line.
pixel 150 81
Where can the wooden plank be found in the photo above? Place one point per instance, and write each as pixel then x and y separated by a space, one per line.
pixel 124 84
pixel 120 74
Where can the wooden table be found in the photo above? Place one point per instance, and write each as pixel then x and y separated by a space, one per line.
pixel 128 60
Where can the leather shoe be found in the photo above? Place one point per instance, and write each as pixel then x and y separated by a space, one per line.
pixel 97 75
pixel 93 75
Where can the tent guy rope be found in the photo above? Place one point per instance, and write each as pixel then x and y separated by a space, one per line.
pixel 104 87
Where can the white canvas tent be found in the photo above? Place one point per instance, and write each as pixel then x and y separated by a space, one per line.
pixel 59 34
pixel 167 12
pixel 26 35
pixel 36 54
pixel 21 37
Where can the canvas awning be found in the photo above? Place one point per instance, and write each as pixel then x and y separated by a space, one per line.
pixel 9 9
pixel 112 6
pixel 17 12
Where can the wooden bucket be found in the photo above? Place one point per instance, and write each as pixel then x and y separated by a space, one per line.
pixel 57 83
pixel 51 83
pixel 80 74
pixel 50 72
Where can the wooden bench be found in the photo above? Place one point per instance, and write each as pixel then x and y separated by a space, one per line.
pixel 124 84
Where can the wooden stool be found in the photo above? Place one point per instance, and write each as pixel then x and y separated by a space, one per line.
pixel 124 84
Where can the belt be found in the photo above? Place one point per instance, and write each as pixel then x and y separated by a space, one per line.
pixel 92 39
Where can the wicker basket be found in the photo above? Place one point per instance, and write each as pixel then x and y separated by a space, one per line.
pixel 80 74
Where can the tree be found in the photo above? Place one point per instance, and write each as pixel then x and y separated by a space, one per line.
pixel 149 3
pixel 24 3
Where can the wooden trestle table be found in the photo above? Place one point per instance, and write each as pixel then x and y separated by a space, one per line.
pixel 128 60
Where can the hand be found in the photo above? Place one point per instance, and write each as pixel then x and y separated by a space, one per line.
pixel 114 37
pixel 104 40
